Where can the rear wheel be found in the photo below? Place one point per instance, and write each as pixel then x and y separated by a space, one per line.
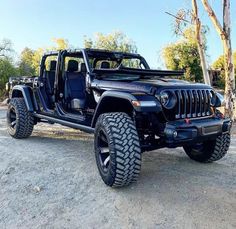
pixel 117 149
pixel 209 151
pixel 20 122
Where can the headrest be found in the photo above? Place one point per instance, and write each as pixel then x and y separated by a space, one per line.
pixel 72 66
pixel 105 64
pixel 52 65
pixel 82 67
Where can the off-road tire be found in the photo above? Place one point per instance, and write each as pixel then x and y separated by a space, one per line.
pixel 24 122
pixel 124 149
pixel 211 151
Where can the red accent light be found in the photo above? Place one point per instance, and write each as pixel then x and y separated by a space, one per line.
pixel 187 121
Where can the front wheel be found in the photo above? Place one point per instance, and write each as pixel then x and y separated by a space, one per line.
pixel 209 151
pixel 117 149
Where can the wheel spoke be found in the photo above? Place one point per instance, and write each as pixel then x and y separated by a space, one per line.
pixel 104 149
pixel 13 123
pixel 104 152
pixel 107 160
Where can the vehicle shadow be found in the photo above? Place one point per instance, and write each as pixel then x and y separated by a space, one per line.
pixel 162 170
pixel 168 169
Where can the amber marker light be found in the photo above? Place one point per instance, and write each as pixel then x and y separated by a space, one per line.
pixel 136 103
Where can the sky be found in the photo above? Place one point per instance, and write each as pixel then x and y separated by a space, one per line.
pixel 34 23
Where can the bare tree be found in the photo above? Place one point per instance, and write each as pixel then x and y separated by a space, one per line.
pixel 5 47
pixel 225 35
pixel 201 49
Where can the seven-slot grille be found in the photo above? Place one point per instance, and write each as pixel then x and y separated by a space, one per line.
pixel 192 103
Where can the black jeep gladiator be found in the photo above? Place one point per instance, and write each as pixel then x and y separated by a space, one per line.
pixel 129 108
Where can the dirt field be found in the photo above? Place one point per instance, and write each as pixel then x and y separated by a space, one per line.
pixel 51 181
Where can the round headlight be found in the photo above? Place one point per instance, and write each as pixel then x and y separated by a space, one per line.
pixel 164 96
pixel 168 99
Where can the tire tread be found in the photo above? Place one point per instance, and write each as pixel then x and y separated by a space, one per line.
pixel 126 147
pixel 25 121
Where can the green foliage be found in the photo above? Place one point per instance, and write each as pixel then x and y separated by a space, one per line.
pixel 218 64
pixel 28 64
pixel 184 55
pixel 25 67
pixel 36 59
pixel 7 70
pixel 60 44
pixel 115 41
pixel 30 59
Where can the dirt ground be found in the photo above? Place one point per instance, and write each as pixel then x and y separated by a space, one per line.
pixel 50 180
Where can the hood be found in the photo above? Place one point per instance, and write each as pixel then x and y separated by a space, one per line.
pixel 149 86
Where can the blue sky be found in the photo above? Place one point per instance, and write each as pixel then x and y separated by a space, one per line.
pixel 34 23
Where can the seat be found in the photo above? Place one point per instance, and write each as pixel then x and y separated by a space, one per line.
pixel 104 64
pixel 75 85
pixel 50 77
pixel 82 68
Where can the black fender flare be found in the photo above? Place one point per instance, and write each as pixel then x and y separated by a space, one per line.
pixel 147 103
pixel 25 92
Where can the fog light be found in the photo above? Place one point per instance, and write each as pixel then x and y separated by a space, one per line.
pixel 226 127
pixel 170 133
pixel 175 133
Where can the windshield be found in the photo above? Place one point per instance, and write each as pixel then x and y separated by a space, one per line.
pixel 115 60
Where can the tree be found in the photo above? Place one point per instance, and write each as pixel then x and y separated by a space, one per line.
pixel 200 43
pixel 36 59
pixel 7 70
pixel 225 35
pixel 184 54
pixel 115 41
pixel 25 66
pixel 5 47
pixel 61 44
pixel 186 18
pixel 219 64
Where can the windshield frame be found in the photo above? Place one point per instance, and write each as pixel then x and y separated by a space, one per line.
pixel 99 54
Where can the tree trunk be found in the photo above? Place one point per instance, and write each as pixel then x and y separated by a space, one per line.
pixel 228 59
pixel 198 30
pixel 225 35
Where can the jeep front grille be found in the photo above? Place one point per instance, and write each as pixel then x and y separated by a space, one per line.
pixel 192 103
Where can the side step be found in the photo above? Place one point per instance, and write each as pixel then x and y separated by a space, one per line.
pixel 86 129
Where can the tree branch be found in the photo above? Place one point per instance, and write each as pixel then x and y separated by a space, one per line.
pixel 178 18
pixel 214 19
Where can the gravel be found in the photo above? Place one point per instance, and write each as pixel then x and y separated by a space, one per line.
pixel 50 180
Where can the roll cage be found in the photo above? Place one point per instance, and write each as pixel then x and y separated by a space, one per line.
pixel 87 55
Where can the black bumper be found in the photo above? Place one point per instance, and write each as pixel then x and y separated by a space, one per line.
pixel 183 132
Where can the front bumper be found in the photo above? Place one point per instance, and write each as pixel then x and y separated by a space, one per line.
pixel 187 131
